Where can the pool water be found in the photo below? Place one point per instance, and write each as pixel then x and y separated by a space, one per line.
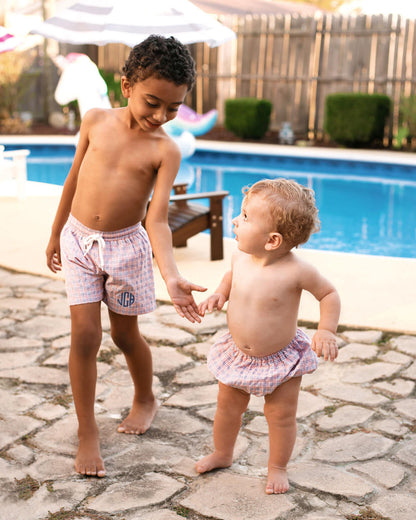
pixel 364 207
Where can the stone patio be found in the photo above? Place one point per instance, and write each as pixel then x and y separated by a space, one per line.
pixel 355 452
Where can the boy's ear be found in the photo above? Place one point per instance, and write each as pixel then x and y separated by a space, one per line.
pixel 125 87
pixel 274 241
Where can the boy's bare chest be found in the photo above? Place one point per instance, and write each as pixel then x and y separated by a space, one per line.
pixel 121 152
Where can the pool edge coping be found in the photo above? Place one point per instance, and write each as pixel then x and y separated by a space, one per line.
pixel 385 156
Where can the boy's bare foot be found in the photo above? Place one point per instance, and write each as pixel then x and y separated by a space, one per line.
pixel 140 417
pixel 277 481
pixel 88 460
pixel 213 461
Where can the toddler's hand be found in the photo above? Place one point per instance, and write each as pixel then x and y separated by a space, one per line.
pixel 324 343
pixel 215 301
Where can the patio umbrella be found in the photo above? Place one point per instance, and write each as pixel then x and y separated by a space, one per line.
pixel 8 42
pixel 130 21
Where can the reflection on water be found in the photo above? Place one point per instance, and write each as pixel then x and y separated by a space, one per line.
pixel 366 215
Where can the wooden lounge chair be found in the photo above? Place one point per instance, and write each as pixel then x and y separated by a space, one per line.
pixel 186 220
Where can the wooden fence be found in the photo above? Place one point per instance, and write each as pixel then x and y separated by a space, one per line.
pixel 295 62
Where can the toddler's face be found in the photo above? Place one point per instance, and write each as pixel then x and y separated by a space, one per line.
pixel 253 226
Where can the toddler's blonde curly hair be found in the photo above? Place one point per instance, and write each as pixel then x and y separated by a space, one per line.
pixel 293 211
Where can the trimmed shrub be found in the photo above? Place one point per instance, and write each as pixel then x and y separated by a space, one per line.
pixel 113 81
pixel 407 114
pixel 247 117
pixel 356 119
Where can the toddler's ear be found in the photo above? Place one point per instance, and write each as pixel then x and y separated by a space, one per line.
pixel 274 241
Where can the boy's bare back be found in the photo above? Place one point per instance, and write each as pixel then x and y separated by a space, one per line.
pixel 264 301
pixel 118 169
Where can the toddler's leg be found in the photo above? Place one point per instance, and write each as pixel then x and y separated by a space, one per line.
pixel 231 404
pixel 85 343
pixel 280 411
pixel 125 334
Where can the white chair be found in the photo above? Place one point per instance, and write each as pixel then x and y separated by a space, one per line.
pixel 13 172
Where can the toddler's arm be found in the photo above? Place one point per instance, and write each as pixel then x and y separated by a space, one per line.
pixel 324 340
pixel 221 295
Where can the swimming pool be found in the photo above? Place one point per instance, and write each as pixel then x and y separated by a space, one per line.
pixel 365 207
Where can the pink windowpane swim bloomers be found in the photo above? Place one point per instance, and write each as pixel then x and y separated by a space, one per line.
pixel 110 266
pixel 261 375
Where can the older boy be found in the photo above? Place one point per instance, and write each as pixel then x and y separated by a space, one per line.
pixel 122 156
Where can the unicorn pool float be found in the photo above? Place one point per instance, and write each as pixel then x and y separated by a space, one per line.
pixel 80 80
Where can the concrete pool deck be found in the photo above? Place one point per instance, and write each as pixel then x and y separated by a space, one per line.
pixel 376 292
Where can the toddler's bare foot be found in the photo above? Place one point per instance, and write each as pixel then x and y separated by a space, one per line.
pixel 277 481
pixel 88 460
pixel 140 417
pixel 213 461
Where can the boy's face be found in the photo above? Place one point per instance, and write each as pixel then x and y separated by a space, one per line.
pixel 153 101
pixel 252 228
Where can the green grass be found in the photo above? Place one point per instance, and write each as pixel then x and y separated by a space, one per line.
pixel 26 487
pixel 367 514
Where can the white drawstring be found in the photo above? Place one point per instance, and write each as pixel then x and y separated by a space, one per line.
pixel 88 243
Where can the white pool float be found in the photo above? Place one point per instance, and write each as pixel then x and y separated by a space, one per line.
pixel 80 80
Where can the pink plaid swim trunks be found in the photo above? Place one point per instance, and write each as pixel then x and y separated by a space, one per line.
pixel 111 266
pixel 260 375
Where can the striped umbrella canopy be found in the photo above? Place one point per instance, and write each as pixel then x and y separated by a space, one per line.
pixel 130 21
pixel 8 42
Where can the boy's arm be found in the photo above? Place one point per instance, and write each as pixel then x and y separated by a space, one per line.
pixel 324 340
pixel 160 235
pixel 53 249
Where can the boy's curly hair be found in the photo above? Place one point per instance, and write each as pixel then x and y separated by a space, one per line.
pixel 165 58
pixel 292 208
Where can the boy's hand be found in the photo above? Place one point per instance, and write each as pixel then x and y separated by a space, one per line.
pixel 53 256
pixel 324 343
pixel 215 301
pixel 180 292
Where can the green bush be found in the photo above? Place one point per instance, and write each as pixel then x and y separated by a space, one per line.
pixel 407 114
pixel 247 117
pixel 356 119
pixel 113 81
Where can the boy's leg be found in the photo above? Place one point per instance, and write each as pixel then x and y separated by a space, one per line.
pixel 85 343
pixel 231 404
pixel 126 335
pixel 280 411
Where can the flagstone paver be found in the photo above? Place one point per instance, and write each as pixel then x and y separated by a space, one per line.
pixel 396 506
pixel 355 446
pixel 386 473
pixel 344 417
